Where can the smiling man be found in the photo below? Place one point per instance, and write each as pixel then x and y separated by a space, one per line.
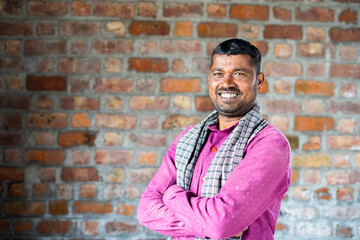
pixel 225 177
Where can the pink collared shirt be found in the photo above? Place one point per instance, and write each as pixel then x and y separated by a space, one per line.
pixel 250 198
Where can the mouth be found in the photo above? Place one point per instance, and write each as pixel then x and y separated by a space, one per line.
pixel 228 96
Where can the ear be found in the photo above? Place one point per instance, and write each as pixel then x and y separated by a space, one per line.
pixel 260 80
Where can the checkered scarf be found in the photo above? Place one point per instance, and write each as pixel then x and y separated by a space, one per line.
pixel 228 156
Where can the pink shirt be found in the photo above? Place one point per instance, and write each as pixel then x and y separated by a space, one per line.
pixel 250 197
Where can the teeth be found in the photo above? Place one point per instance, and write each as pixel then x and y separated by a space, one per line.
pixel 228 95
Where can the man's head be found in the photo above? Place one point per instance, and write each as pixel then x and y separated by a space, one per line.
pixel 235 77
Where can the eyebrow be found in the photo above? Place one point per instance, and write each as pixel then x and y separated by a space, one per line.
pixel 235 70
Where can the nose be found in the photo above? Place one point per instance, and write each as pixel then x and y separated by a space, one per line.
pixel 228 81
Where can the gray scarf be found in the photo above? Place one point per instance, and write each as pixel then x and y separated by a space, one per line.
pixel 228 156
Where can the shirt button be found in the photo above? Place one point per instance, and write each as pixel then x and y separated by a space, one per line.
pixel 203 178
pixel 213 149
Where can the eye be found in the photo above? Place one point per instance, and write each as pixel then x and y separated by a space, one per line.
pixel 239 74
pixel 217 74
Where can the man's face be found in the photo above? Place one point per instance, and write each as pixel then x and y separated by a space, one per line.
pixel 233 84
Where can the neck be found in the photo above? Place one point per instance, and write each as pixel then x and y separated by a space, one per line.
pixel 226 122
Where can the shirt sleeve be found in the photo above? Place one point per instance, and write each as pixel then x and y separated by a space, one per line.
pixel 152 212
pixel 262 177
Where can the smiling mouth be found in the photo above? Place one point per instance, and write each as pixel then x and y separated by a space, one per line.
pixel 228 96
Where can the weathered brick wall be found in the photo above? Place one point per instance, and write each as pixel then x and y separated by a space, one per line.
pixel 93 92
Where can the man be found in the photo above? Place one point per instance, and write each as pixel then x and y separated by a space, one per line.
pixel 225 177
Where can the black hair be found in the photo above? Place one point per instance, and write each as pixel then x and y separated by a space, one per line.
pixel 238 46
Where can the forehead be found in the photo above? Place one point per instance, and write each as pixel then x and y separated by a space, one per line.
pixel 232 61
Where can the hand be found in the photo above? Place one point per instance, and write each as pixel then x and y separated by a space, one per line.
pixel 239 235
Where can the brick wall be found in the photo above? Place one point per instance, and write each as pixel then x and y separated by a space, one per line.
pixel 93 92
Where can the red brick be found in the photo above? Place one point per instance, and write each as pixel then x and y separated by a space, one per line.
pixel 132 192
pixel 314 143
pixel 282 106
pixel 143 175
pixel 11 138
pixel 180 46
pixel 58 208
pixel 294 175
pixel 203 104
pixel 80 120
pixel 348 16
pixel 217 30
pixel 149 28
pixel 14 102
pixel 117 175
pixel 346 125
pixel 315 34
pixel 25 208
pixel 154 65
pixel 116 228
pixel 348 53
pixel 280 122
pixel 113 157
pixel 53 157
pixel 301 193
pixel 345 194
pixel 11 156
pixel 249 31
pixel 114 102
pixel 112 65
pixel 45 47
pixel 79 28
pixel 345 70
pixel 316 69
pixel 41 190
pixel 117 28
pixel 344 142
pixel 47 120
pixel 88 191
pixel 282 13
pixel 47 174
pixel 14 83
pixel 114 9
pixel 23 226
pixel 15 29
pixel 46 65
pixel 344 107
pixel 343 177
pixel 118 121
pixel 344 35
pixel 178 121
pixel 54 227
pixel 180 85
pixel 45 28
pixel 283 32
pixel 90 228
pixel 149 122
pixel 12 174
pixel 147 9
pixel 12 46
pixel 81 157
pixel 79 65
pixel 150 140
pixel 46 83
pixel 262 46
pixel 201 65
pixel 323 194
pixel 282 87
pixel 14 7
pixel 178 66
pixel 313 123
pixel 113 85
pixel 11 64
pixel 113 46
pixel 43 102
pixel 80 8
pixel 148 48
pixel 314 15
pixel 79 174
pixel 344 231
pixel 348 91
pixel 82 103
pixel 312 176
pixel 281 227
pixel 216 11
pixel 13 120
pixel 64 191
pixel 147 158
pixel 152 102
pixel 16 190
pixel 282 69
pixel 249 12
pixel 126 210
pixel 70 139
pixel 46 8
pixel 311 50
pixel 183 10
pixel 79 84
pixel 83 207
pixel 342 160
pixel 309 87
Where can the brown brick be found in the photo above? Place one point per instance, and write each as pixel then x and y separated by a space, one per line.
pixel 88 191
pixel 282 13
pixel 43 102
pixel 149 28
pixel 58 208
pixel 90 228
pixel 344 35
pixel 309 87
pixel 152 102
pixel 12 46
pixel 313 123
pixel 281 227
pixel 117 175
pixel 249 31
pixel 47 120
pixel 79 28
pixel 13 120
pixel 79 65
pixel 344 107
pixel 315 34
pixel 180 46
pixel 316 69
pixel 178 121
pixel 345 194
pixel 282 106
pixel 113 85
pixel 46 83
pixel 47 174
pixel 314 143
pixel 80 120
pixel 79 174
pixel 147 9
pixel 11 138
pixel 70 139
pixel 201 65
pixel 117 28
pixel 54 227
pixel 282 87
pixel 280 122
pixel 293 141
pixel 342 177
pixel 79 84
pixel 15 29
pixel 183 10
pixel 343 142
pixel 143 175
pixel 14 83
pixel 46 8
pixel 114 9
pixel 116 228
pixel 81 157
pixel 118 121
pixel 45 28
pixel 82 207
pixel 323 194
pixel 312 176
pixel 45 47
pixel 314 14
pixel 217 30
pixel 150 140
pixel 217 11
pixel 344 231
pixel 76 103
pixel 12 174
pixel 348 16
pixel 113 157
pixel 147 158
pixel 11 64
pixel 153 65
pixel 80 8
pixel 126 210
pixel 301 193
pixel 178 66
pixel 180 85
pixel 316 160
pixel 16 190
pixel 14 102
pixel 53 157
pixel 113 46
pixel 346 125
pixel 112 65
pixel 283 31
pixel 11 156
pixel 348 53
pixel 64 191
pixel 342 160
pixel 249 12
pixel 294 175
pixel 262 46
pixel 282 69
pixel 46 65
pixel 345 70
pixel 25 208
pixel 203 104
pixel 23 226
pixel 14 7
pixel 149 122
pixel 311 50
pixel 114 102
